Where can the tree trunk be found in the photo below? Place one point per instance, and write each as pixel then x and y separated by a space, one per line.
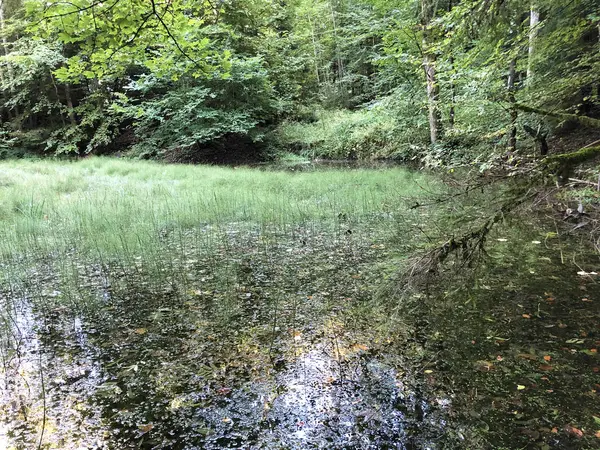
pixel 9 71
pixel 534 21
pixel 340 62
pixel 435 127
pixel 314 42
pixel 512 73
pixel 452 85
pixel 70 104
pixel 429 65
pixel 452 93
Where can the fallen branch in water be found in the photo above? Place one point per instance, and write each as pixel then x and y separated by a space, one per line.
pixel 468 246
pixel 589 183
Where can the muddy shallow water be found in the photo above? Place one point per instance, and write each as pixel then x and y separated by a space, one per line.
pixel 298 342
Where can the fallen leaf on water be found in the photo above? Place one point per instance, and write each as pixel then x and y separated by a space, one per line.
pixel 224 390
pixel 484 366
pixel 547 358
pixel 146 428
pixel 520 387
pixel 574 431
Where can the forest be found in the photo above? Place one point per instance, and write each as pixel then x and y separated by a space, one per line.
pixel 299 224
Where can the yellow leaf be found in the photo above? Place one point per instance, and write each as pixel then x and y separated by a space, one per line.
pixel 429 371
pixel 146 428
pixel 520 387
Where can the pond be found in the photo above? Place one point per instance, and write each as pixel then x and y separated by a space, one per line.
pixel 292 335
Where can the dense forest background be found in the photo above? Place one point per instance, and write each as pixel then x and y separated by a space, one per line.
pixel 440 82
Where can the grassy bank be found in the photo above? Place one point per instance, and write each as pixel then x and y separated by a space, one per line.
pixel 144 220
pixel 113 205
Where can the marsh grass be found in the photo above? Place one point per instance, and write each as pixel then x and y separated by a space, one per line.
pixel 119 208
pixel 150 219
pixel 184 270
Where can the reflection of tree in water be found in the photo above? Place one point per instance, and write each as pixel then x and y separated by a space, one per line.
pixel 274 349
pixel 49 377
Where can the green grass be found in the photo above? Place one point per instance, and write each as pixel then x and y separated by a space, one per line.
pixel 117 208
pixel 361 134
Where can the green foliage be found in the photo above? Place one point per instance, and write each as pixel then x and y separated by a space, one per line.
pixel 370 133
pixel 181 75
pixel 189 113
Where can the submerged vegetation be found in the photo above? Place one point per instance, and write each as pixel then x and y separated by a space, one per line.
pixel 160 306
pixel 301 292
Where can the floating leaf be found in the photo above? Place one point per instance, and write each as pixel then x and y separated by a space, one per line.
pixel 359 347
pixel 146 428
pixel 574 431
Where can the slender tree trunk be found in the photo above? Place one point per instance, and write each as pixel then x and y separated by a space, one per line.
pixel 452 85
pixel 314 42
pixel 429 65
pixel 62 117
pixel 435 127
pixel 452 94
pixel 9 71
pixel 534 20
pixel 70 104
pixel 340 62
pixel 512 73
